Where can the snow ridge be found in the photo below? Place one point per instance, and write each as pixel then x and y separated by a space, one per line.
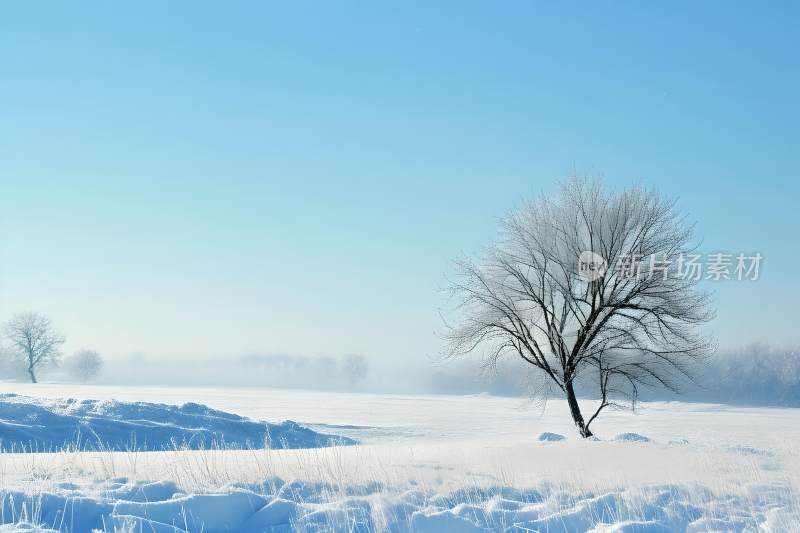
pixel 35 424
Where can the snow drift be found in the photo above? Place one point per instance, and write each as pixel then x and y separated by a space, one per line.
pixel 285 507
pixel 551 437
pixel 36 424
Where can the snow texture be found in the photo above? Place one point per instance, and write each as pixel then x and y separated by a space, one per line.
pixel 322 507
pixel 35 424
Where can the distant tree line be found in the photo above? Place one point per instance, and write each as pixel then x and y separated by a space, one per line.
pixel 32 343
pixel 753 374
pixel 757 374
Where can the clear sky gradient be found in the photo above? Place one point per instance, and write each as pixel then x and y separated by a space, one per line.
pixel 207 179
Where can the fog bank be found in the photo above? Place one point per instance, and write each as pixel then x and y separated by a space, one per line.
pixel 757 374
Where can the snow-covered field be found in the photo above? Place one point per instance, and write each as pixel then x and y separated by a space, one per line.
pixel 425 463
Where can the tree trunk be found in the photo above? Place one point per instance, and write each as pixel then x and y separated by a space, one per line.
pixel 33 376
pixel 575 411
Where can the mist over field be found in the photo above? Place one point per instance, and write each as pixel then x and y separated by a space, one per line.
pixel 757 374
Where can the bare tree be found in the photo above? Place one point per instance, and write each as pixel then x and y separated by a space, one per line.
pixel 354 368
pixel 84 364
pixel 34 340
pixel 587 285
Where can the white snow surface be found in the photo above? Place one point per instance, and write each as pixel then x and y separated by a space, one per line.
pixel 425 464
pixel 36 424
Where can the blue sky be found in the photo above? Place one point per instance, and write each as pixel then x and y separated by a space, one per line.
pixel 191 178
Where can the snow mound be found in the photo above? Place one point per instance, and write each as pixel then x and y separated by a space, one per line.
pixel 749 450
pixel 323 507
pixel 551 437
pixel 35 424
pixel 678 442
pixel 631 437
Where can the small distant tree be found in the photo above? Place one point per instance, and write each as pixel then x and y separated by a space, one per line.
pixel 355 368
pixel 579 286
pixel 34 341
pixel 84 364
